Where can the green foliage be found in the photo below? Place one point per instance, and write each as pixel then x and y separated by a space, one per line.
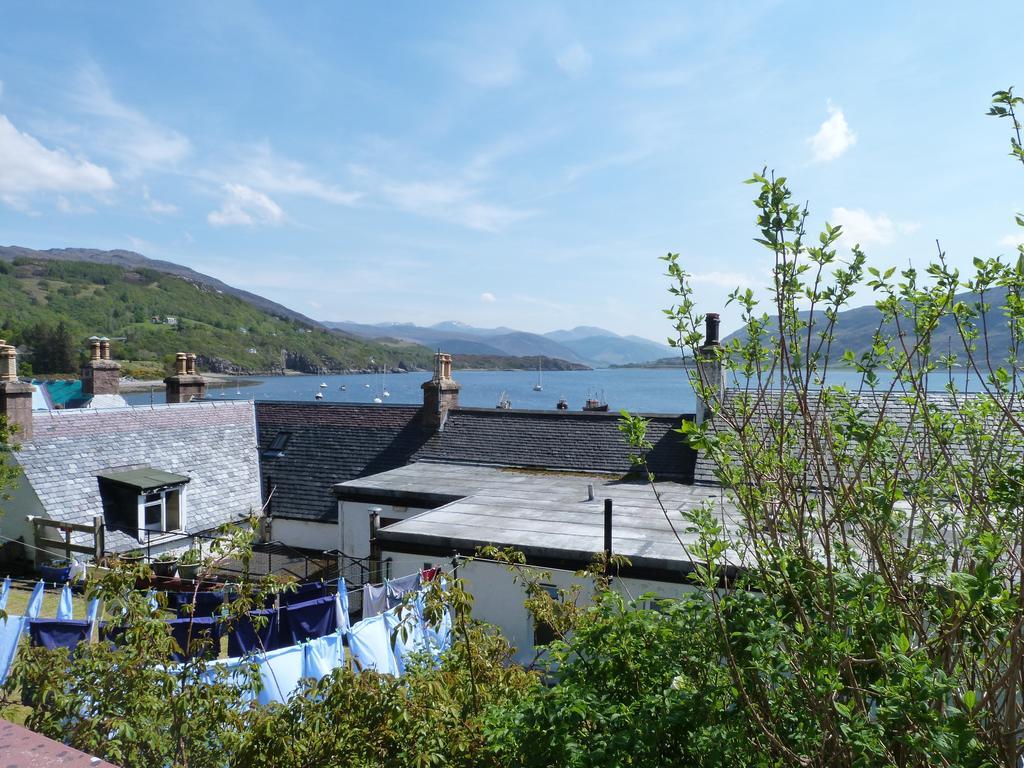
pixel 52 307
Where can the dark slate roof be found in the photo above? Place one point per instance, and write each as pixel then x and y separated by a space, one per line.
pixel 335 442
pixel 212 443
pixel 568 441
pixel 330 443
pixel 765 407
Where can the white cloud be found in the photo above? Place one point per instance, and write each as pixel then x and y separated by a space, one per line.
pixel 574 60
pixel 125 132
pixel 494 68
pixel 156 206
pixel 245 206
pixel 263 169
pixel 861 227
pixel 27 167
pixel 453 201
pixel 487 297
pixel 1 89
pixel 834 136
pixel 1012 241
pixel 64 205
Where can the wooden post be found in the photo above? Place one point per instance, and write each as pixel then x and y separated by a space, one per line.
pixel 97 537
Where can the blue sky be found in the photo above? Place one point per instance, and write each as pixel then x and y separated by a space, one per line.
pixel 501 164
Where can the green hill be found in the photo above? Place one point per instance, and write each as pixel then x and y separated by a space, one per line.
pixel 46 303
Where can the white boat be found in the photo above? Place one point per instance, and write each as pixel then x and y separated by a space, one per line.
pixel 504 404
pixel 539 386
pixel 377 400
pixel 341 388
pixel 323 385
pixel 318 396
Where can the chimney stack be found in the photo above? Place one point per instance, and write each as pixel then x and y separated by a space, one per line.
pixel 101 375
pixel 710 381
pixel 15 396
pixel 440 394
pixel 185 385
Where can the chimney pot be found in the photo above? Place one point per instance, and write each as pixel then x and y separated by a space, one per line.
pixel 711 323
pixel 191 367
pixel 440 394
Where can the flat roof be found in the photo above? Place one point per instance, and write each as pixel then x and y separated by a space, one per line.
pixel 546 515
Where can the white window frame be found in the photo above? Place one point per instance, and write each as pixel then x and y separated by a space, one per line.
pixel 141 526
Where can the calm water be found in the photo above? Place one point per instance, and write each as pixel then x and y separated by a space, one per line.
pixel 635 389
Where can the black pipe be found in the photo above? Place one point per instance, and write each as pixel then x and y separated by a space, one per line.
pixel 608 531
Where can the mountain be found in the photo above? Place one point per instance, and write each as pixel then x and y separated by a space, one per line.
pixel 151 314
pixel 586 345
pixel 463 339
pixel 132 260
pixel 855 328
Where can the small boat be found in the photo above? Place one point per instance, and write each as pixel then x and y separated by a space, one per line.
pixel 318 396
pixel 504 404
pixel 366 385
pixel 323 385
pixel 341 388
pixel 596 403
pixel 539 386
pixel 377 400
pixel 562 404
pixel 386 393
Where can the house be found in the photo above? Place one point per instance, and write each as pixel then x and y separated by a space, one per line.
pixel 151 477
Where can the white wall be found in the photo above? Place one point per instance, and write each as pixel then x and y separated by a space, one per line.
pixel 498 599
pixel 355 524
pixel 305 534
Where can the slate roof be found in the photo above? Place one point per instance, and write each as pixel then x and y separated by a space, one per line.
pixel 329 443
pixel 895 410
pixel 213 443
pixel 334 442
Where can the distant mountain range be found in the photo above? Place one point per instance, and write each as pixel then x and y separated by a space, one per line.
pixel 587 345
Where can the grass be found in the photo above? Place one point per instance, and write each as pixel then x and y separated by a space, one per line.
pixel 17 601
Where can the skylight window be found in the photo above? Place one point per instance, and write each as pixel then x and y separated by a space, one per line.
pixel 278 444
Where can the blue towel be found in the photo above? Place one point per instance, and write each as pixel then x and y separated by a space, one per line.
pixel 323 655
pixel 66 607
pixel 3 592
pixel 206 604
pixel 35 602
pixel 304 593
pixel 196 636
pixel 243 637
pixel 309 620
pixel 52 633
pixel 370 643
pixel 343 621
pixel 11 630
pixel 280 673
pixel 92 611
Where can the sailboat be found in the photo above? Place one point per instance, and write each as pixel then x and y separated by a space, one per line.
pixel 504 404
pixel 539 386
pixel 383 382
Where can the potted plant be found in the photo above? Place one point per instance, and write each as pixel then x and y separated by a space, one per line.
pixel 190 563
pixel 165 564
pixel 56 571
pixel 132 557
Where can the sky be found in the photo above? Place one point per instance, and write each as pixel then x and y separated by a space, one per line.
pixel 516 164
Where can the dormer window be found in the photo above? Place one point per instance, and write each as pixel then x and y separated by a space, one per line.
pixel 143 502
pixel 277 446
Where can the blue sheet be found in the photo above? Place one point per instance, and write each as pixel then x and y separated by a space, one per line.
pixel 341 609
pixel 206 604
pixel 4 590
pixel 35 602
pixel 231 672
pixel 92 610
pixel 280 673
pixel 244 637
pixel 304 593
pixel 66 607
pixel 323 655
pixel 370 643
pixel 406 627
pixel 54 633
pixel 196 637
pixel 309 620
pixel 11 630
